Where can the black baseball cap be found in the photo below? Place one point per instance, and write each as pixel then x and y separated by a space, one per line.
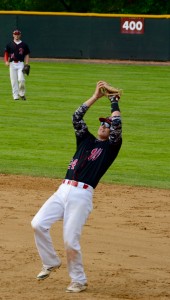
pixel 17 32
pixel 107 120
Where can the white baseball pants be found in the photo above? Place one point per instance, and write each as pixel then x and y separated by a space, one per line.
pixel 73 205
pixel 17 79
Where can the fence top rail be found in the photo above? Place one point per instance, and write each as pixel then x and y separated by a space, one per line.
pixel 17 12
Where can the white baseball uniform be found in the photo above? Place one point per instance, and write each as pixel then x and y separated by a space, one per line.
pixel 15 53
pixel 17 79
pixel 72 202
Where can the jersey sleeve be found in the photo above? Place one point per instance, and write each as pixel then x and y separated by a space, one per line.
pixel 116 130
pixel 7 49
pixel 26 49
pixel 79 125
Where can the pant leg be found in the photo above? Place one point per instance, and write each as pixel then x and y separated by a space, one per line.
pixel 77 210
pixel 14 80
pixel 21 79
pixel 49 213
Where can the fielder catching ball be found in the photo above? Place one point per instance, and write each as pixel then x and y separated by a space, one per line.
pixel 72 202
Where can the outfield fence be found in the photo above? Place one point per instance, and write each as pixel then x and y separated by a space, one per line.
pixel 90 36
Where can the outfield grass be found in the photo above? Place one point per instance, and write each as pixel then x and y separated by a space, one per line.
pixel 37 137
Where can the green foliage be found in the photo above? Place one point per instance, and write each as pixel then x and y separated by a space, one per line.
pixel 37 137
pixel 97 6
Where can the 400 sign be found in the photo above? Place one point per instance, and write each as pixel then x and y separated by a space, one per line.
pixel 132 25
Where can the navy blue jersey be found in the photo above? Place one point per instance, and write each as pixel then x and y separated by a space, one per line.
pixel 17 52
pixel 93 157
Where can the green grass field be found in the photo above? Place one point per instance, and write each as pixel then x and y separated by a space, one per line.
pixel 37 137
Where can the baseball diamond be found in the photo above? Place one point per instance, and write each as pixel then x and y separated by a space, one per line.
pixel 125 241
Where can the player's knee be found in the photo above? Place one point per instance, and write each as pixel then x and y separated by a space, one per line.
pixel 36 225
pixel 33 224
pixel 71 253
pixel 72 246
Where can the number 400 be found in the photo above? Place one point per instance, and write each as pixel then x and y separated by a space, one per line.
pixel 132 25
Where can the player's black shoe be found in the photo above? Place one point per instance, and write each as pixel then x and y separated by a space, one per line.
pixel 23 97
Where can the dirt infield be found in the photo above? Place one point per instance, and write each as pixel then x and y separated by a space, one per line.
pixel 125 243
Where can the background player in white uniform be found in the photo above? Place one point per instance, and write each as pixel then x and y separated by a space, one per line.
pixel 72 202
pixel 16 54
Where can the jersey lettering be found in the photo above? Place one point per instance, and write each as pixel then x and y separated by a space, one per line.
pixel 95 153
pixel 21 51
pixel 73 164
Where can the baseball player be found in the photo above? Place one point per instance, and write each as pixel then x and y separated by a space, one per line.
pixel 72 202
pixel 16 55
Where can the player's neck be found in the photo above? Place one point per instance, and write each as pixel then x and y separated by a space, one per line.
pixel 101 139
pixel 17 41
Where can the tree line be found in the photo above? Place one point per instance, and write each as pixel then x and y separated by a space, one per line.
pixel 149 7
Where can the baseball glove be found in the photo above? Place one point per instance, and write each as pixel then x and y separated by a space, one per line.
pixel 108 90
pixel 26 69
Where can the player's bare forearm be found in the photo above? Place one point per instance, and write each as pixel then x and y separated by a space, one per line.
pixel 90 101
pixel 26 60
